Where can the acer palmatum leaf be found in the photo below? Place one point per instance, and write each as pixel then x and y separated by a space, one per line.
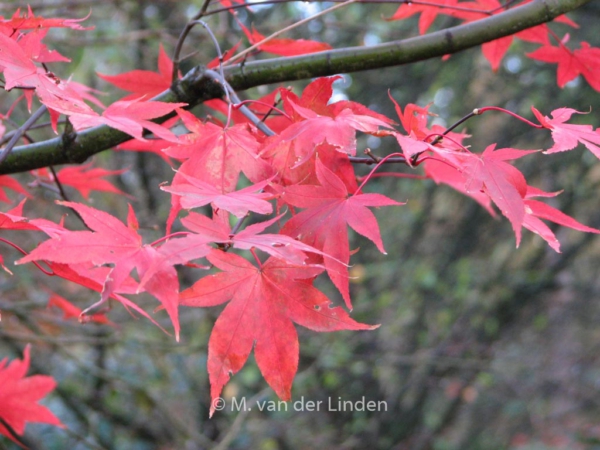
pixel 70 311
pixel 19 396
pixel 583 61
pixel 194 193
pixel 505 184
pixel 86 179
pixel 18 22
pixel 264 302
pixel 284 46
pixel 323 224
pixel 145 83
pixel 536 210
pixel 218 231
pixel 567 136
pixel 111 242
pixel 130 117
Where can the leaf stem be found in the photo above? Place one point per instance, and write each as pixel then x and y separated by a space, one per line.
pixel 478 111
pixel 35 263
pixel 370 175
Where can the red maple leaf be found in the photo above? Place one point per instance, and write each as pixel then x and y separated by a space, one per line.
pixel 130 117
pixel 442 172
pixel 265 301
pixel 19 396
pixel 285 46
pixel 216 156
pixel 10 183
pixel 584 61
pixel 18 68
pixel 314 129
pixel 218 231
pixel 145 83
pixel 504 183
pixel 70 311
pixel 323 224
pixel 85 179
pixel 428 13
pixel 14 220
pixel 111 242
pixel 194 192
pixel 536 210
pixel 567 136
pixel 16 22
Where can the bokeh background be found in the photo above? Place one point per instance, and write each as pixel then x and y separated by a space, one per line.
pixel 481 345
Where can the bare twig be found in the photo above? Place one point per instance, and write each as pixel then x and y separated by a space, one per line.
pixel 184 33
pixel 284 30
pixel 20 132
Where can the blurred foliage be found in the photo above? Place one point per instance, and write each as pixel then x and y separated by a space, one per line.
pixel 481 345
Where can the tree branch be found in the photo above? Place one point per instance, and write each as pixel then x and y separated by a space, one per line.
pixel 196 88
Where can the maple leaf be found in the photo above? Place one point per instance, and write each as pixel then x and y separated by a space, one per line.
pixel 568 136
pixel 428 13
pixel 536 210
pixel 155 146
pixel 583 61
pixel 197 193
pixel 18 68
pixel 31 22
pixel 10 183
pixel 32 45
pixel 219 231
pixel 504 183
pixel 14 220
pixel 145 83
pixel 442 172
pixel 70 311
pixel 323 224
pixel 93 278
pixel 19 396
pixel 265 301
pixel 85 179
pixel 284 47
pixel 216 156
pixel 111 242
pixel 315 129
pixel 130 117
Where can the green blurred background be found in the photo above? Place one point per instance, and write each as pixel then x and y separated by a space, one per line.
pixel 481 345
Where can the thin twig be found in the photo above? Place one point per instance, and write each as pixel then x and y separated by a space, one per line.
pixel 184 33
pixel 283 30
pixel 10 134
pixel 20 132
pixel 231 95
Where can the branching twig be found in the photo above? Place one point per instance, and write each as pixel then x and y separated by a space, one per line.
pixel 184 33
pixel 286 29
pixel 20 132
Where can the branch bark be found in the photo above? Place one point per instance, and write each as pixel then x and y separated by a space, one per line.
pixel 196 88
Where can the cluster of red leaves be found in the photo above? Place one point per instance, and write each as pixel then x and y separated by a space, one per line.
pixel 19 397
pixel 488 177
pixel 571 63
pixel 302 173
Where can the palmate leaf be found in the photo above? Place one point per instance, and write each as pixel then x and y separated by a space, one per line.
pixel 111 242
pixel 323 224
pixel 264 302
pixel 19 396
